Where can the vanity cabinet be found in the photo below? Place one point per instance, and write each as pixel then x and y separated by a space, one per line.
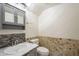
pixel 11 17
pixel 32 53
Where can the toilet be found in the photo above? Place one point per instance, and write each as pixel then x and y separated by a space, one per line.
pixel 41 51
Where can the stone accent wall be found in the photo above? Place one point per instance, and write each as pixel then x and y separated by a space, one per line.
pixel 60 46
pixel 9 39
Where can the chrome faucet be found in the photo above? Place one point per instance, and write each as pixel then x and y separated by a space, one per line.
pixel 16 41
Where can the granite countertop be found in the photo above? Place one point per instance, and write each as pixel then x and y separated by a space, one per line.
pixel 17 50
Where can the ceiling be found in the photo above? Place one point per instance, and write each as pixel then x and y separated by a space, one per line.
pixel 37 8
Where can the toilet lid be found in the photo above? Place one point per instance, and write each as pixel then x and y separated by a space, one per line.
pixel 42 49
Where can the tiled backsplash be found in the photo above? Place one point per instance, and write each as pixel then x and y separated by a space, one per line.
pixel 60 46
pixel 11 39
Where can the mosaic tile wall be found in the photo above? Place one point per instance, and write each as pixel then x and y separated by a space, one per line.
pixel 60 46
pixel 9 39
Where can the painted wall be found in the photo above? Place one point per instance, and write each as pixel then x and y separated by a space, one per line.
pixel 31 24
pixel 60 21
pixel 37 8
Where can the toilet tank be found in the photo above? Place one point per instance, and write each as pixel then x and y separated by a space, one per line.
pixel 36 41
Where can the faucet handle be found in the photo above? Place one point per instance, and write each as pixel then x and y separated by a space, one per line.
pixel 16 41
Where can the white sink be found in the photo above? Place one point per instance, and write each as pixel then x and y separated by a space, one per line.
pixel 10 50
pixel 19 49
pixel 15 49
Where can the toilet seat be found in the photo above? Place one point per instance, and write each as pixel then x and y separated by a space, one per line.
pixel 43 51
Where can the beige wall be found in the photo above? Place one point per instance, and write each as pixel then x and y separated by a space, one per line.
pixel 31 24
pixel 60 21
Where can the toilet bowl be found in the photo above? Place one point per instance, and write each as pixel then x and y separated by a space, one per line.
pixel 41 51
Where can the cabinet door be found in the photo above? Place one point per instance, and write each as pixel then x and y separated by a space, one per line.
pixel 32 53
pixel 9 16
pixel 20 16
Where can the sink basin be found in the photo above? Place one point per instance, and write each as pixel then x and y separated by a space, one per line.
pixel 19 49
pixel 15 49
pixel 10 50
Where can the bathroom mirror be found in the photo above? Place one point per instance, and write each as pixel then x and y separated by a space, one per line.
pixel 20 19
pixel 9 17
